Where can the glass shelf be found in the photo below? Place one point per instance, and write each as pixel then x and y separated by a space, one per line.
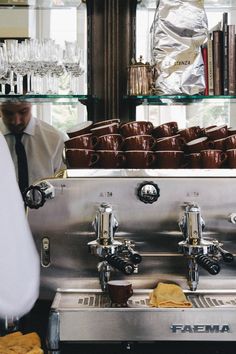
pixel 40 4
pixel 54 99
pixel 178 99
pixel 209 4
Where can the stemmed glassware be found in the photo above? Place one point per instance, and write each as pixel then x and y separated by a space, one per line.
pixel 3 71
pixel 73 64
pixel 11 49
pixel 44 62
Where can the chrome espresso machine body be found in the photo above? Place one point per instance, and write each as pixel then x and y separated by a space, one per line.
pixel 144 225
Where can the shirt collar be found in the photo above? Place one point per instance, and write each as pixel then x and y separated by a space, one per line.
pixel 30 129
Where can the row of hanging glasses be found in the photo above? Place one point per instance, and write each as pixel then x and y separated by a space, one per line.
pixel 43 62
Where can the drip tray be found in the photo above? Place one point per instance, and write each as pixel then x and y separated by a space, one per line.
pixel 87 315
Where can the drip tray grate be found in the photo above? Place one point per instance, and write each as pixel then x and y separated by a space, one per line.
pixel 103 301
pixel 209 300
pixel 142 300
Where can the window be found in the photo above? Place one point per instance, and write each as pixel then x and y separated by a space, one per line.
pixel 61 25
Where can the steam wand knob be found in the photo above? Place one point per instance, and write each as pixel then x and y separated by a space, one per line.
pixel 119 263
pixel 226 256
pixel 208 264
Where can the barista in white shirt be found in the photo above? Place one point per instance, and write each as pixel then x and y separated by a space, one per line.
pixel 43 143
pixel 19 260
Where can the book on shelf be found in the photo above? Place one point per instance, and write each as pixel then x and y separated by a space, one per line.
pixel 225 53
pixel 219 57
pixel 205 62
pixel 217 51
pixel 210 66
pixel 231 61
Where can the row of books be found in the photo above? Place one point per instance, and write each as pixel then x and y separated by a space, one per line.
pixel 219 56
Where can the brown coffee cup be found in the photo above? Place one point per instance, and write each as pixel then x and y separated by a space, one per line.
pixel 204 130
pixel 165 129
pixel 139 142
pixel 111 158
pixel 140 159
pixel 219 144
pixel 230 142
pixel 86 141
pixel 190 133
pixel 81 158
pixel 105 129
pixel 231 158
pixel 231 131
pixel 106 122
pixel 169 159
pixel 170 143
pixel 193 160
pixel 109 142
pixel 136 128
pixel 174 126
pixel 198 144
pixel 80 129
pixel 216 133
pixel 212 158
pixel 119 292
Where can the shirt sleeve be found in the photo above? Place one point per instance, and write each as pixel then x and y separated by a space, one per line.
pixel 59 157
pixel 19 260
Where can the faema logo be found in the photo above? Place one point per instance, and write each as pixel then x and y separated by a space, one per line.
pixel 200 328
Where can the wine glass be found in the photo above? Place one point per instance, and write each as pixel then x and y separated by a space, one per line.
pixel 11 48
pixel 72 62
pixel 3 71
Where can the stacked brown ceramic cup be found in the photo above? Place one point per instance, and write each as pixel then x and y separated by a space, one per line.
pixel 206 148
pixel 109 144
pixel 138 144
pixel 169 146
pixel 79 149
pixel 96 145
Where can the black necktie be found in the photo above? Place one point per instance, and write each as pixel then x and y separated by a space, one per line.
pixel 23 179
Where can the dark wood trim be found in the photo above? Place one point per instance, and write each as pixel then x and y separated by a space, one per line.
pixel 111 45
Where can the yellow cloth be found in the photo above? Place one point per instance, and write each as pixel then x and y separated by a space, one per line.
pixel 17 343
pixel 168 295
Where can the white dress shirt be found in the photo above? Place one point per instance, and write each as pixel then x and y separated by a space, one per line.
pixel 19 260
pixel 44 146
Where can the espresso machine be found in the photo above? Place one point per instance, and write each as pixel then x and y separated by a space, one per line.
pixel 147 226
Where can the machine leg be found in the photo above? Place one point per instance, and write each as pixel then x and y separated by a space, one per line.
pixel 53 336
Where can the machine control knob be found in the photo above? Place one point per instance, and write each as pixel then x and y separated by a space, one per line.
pixel 232 218
pixel 36 195
pixel 148 192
